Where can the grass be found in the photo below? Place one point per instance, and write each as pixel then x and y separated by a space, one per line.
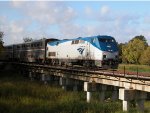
pixel 133 67
pixel 19 95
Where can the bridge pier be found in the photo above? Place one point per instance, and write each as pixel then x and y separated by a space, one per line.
pixel 114 93
pixel 76 85
pixel 66 83
pixel 25 73
pixel 56 80
pixel 125 105
pixel 89 87
pixel 31 76
pixel 51 79
pixel 88 96
pixel 69 84
pixel 44 78
pixel 140 99
pixel 62 82
pixel 102 89
pixel 128 95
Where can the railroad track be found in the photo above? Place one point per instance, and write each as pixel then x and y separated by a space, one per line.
pixel 107 72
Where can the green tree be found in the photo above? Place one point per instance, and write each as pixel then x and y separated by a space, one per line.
pixel 121 57
pixel 124 53
pixel 142 38
pixel 145 57
pixel 133 50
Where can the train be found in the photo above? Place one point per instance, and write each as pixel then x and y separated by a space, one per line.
pixel 94 51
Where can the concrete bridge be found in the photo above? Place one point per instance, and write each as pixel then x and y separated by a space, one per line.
pixel 125 87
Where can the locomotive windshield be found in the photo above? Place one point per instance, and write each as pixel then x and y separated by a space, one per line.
pixel 105 40
pixel 108 44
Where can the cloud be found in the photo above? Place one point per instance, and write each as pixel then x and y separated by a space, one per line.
pixel 12 31
pixel 15 31
pixel 17 4
pixel 44 14
pixel 88 11
pixel 47 12
pixel 104 10
pixel 103 14
pixel 122 25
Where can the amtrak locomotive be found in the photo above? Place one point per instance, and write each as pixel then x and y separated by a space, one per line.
pixel 89 51
pixel 95 51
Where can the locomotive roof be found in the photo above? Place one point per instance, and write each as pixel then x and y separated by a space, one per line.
pixel 97 43
pixel 80 38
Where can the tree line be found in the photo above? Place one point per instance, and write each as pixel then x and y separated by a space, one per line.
pixel 136 51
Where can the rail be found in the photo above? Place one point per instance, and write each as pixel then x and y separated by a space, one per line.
pixel 89 71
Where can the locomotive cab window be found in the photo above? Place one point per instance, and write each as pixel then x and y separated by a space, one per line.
pixel 106 40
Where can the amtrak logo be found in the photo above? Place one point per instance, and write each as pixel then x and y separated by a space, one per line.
pixel 81 50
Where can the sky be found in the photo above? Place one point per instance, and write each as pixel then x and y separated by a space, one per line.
pixel 122 20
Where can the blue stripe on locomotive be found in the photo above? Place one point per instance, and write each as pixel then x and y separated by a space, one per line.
pixel 100 45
